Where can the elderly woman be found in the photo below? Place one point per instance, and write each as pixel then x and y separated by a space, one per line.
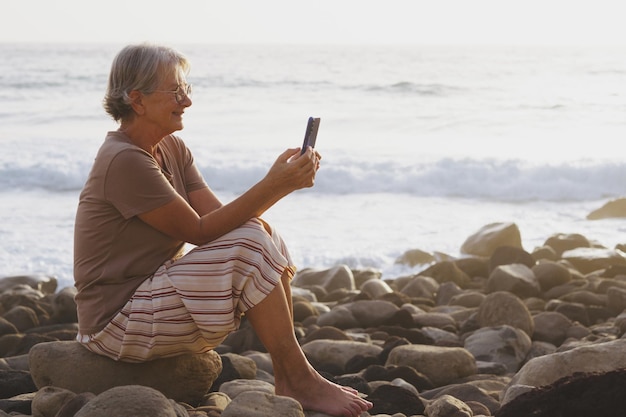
pixel 139 297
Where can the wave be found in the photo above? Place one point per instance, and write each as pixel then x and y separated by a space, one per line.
pixel 484 179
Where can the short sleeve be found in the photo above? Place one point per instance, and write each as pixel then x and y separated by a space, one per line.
pixel 135 184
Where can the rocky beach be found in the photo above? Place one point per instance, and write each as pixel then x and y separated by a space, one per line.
pixel 502 331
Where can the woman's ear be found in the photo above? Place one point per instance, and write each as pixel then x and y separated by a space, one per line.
pixel 136 101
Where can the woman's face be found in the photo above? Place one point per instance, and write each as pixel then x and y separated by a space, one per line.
pixel 166 105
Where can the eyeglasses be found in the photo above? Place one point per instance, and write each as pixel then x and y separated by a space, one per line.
pixel 181 92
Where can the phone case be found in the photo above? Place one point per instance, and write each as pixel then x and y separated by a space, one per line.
pixel 310 135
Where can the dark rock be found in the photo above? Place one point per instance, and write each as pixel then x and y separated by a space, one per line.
pixel 357 382
pixel 6 327
pixel 579 395
pixel 473 267
pixel 389 399
pixel 14 383
pixel 326 332
pixel 19 406
pixel 415 336
pixel 401 318
pixel 447 271
pixel 22 317
pixel 506 255
pixel 381 373
pixel 359 362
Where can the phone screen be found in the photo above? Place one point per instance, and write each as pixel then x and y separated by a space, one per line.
pixel 310 135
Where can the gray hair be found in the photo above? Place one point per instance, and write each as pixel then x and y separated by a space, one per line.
pixel 139 67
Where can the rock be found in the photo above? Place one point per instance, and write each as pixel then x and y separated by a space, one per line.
pixel 448 406
pixel 503 344
pixel 439 320
pixel 22 318
pixel 468 299
pixel 506 255
pixel 420 287
pixel 469 393
pixel 518 279
pixel 337 353
pixel 441 365
pixel 13 383
pixel 474 267
pixel 551 327
pixel 415 257
pixel 389 399
pixel 544 253
pixel 49 400
pixel 545 370
pixel 611 209
pixel 447 271
pixel 262 360
pixel 73 405
pixel 7 327
pixel 372 313
pixel 376 288
pixel 326 332
pixel 256 404
pixel 340 317
pixel 303 310
pixel 588 260
pixel 576 312
pixel 131 400
pixel 19 405
pixel 442 337
pixel 44 283
pixel 64 306
pixel 246 367
pixel 562 242
pixel 339 277
pixel 184 378
pixel 504 308
pixel 489 237
pixel 390 373
pixel 361 276
pixel 233 388
pixel 551 274
pixel 579 395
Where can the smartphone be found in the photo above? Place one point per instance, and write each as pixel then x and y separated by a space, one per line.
pixel 311 133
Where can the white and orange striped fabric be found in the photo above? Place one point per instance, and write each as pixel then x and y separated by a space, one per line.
pixel 191 304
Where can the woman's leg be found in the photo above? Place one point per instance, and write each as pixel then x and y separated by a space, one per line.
pixel 294 376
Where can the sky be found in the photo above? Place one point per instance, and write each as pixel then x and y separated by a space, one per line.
pixel 436 22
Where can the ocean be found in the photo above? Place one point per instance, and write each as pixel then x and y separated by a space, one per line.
pixel 421 145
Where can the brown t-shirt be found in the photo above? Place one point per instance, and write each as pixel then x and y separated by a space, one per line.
pixel 114 251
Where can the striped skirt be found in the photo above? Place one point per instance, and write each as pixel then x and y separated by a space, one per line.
pixel 191 304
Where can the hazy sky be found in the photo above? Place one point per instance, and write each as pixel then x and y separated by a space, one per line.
pixel 320 21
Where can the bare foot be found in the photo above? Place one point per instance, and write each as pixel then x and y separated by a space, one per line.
pixel 319 394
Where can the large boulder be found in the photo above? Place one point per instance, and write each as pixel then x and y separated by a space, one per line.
pixel 545 370
pixel 613 208
pixel 133 400
pixel 490 237
pixel 587 260
pixel 338 277
pixel 184 378
pixel 441 365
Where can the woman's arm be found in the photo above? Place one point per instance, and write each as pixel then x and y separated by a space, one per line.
pixel 179 220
